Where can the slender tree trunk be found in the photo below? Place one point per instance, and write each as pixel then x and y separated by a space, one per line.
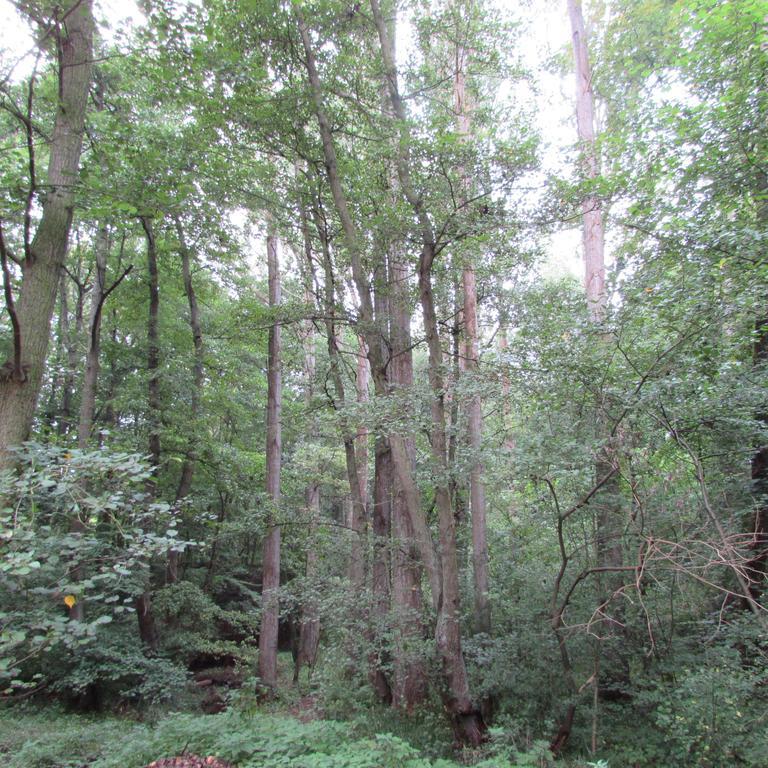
pixel 198 378
pixel 45 255
pixel 380 513
pixel 357 508
pixel 358 516
pixel 309 633
pixel 64 410
pixel 756 566
pixel 309 625
pixel 270 603
pixel 92 359
pixel 72 336
pixel 144 613
pixel 614 671
pixel 153 351
pixel 383 479
pixel 593 230
pixel 409 686
pixel 482 605
pixel 198 371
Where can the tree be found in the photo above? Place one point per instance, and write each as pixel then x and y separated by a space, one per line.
pixel 270 578
pixel 71 32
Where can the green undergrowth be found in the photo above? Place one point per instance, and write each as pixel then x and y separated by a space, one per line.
pixel 50 739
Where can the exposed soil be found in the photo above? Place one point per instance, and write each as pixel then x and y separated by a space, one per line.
pixel 190 761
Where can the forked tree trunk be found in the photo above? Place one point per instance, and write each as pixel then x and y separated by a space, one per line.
pixel 99 294
pixel 270 603
pixel 465 718
pixel 41 264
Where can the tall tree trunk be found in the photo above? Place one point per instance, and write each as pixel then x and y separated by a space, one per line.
pixel 466 718
pixel 144 613
pixel 198 372
pixel 482 604
pixel 153 352
pixel 99 293
pixel 358 516
pixel 72 336
pixel 381 515
pixel 198 378
pixel 309 630
pixel 410 676
pixel 270 603
pixel 357 508
pixel 381 522
pixel 614 671
pixel 45 254
pixel 309 623
pixel 756 566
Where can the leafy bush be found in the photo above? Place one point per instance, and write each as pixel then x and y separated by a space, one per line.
pixel 193 625
pixel 77 528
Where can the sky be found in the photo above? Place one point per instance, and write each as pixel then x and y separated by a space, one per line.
pixel 547 35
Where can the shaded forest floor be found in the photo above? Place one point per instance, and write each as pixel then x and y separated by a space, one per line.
pixel 48 738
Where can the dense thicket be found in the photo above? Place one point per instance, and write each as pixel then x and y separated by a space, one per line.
pixel 287 370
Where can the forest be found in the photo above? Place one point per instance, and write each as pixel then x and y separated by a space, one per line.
pixel 384 385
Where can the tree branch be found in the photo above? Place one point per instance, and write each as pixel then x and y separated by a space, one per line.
pixel 17 371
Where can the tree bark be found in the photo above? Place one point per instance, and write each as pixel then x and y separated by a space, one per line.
pixel 45 256
pixel 309 631
pixel 91 375
pixel 482 605
pixel 593 230
pixel 756 566
pixel 409 685
pixel 198 377
pixel 359 514
pixel 153 349
pixel 144 613
pixel 270 603
pixel 309 624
